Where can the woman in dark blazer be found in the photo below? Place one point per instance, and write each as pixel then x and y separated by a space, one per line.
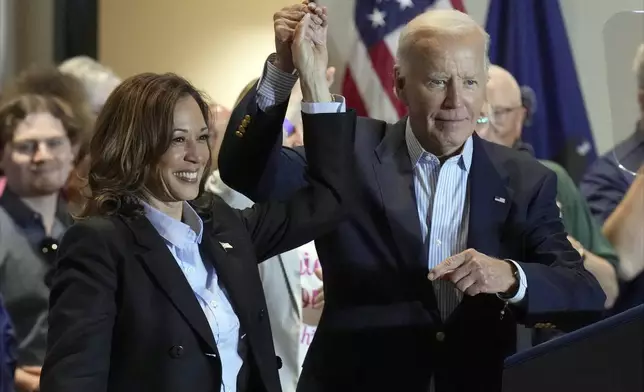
pixel 157 288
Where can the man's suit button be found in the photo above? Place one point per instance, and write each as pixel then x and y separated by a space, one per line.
pixel 176 351
pixel 262 312
pixel 279 362
pixel 440 336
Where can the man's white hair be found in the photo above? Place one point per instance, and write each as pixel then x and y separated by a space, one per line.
pixel 438 23
pixel 96 78
pixel 638 66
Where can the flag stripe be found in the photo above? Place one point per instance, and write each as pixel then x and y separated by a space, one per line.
pixel 368 84
pixel 351 94
pixel 382 57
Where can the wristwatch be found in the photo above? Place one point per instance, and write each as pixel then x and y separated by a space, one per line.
pixel 515 288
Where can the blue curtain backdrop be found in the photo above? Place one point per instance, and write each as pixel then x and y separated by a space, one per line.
pixel 529 39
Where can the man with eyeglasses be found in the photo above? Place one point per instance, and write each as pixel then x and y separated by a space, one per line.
pixel 38 141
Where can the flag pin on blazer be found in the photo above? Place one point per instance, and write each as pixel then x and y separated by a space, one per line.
pixel 225 245
pixel 499 199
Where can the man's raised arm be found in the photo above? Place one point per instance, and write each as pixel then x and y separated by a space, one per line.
pixel 252 160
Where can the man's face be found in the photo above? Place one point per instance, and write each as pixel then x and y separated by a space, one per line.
pixel 506 112
pixel 443 86
pixel 38 159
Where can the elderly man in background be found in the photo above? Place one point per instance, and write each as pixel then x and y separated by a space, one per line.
pixel 614 188
pixel 98 80
pixel 506 115
pixel 425 283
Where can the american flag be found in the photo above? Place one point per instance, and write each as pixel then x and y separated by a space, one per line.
pixel 368 84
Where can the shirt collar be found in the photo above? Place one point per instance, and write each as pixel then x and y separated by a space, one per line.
pixel 24 216
pixel 178 233
pixel 417 152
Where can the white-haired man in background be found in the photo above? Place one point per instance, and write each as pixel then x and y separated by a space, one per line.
pixel 99 81
pixel 452 239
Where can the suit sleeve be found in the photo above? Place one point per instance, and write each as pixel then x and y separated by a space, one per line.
pixel 252 160
pixel 82 313
pixel 278 226
pixel 560 290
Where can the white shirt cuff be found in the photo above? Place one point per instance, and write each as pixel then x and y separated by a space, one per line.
pixel 275 85
pixel 337 106
pixel 523 285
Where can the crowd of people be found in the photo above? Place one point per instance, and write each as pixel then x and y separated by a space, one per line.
pixel 152 240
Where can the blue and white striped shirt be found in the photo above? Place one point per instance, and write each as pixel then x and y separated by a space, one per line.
pixel 443 206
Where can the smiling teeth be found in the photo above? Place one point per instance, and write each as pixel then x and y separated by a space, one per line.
pixel 187 175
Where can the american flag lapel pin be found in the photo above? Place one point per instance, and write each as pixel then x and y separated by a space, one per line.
pixel 499 200
pixel 225 246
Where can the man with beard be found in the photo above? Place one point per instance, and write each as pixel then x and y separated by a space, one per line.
pixel 38 141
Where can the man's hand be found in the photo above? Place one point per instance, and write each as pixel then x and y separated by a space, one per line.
pixel 310 55
pixel 318 301
pixel 284 23
pixel 28 379
pixel 473 273
pixel 309 49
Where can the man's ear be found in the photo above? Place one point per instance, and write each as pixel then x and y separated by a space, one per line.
pixel 399 85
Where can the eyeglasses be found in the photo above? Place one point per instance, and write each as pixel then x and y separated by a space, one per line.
pixel 500 114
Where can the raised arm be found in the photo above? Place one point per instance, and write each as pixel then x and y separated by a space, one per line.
pixel 252 159
pixel 278 226
pixel 82 313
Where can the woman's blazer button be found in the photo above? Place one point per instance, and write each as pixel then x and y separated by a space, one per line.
pixel 176 351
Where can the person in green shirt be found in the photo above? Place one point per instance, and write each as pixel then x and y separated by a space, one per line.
pixel 501 122
pixel 585 233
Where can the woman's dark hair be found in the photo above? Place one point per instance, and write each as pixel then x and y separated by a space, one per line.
pixel 132 132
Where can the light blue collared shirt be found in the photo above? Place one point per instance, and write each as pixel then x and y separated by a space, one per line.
pixel 183 239
pixel 441 192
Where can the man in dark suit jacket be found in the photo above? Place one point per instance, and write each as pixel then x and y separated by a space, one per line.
pixel 487 226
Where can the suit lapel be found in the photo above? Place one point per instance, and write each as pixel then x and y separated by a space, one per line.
pixel 395 177
pixel 232 273
pixel 490 201
pixel 158 260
